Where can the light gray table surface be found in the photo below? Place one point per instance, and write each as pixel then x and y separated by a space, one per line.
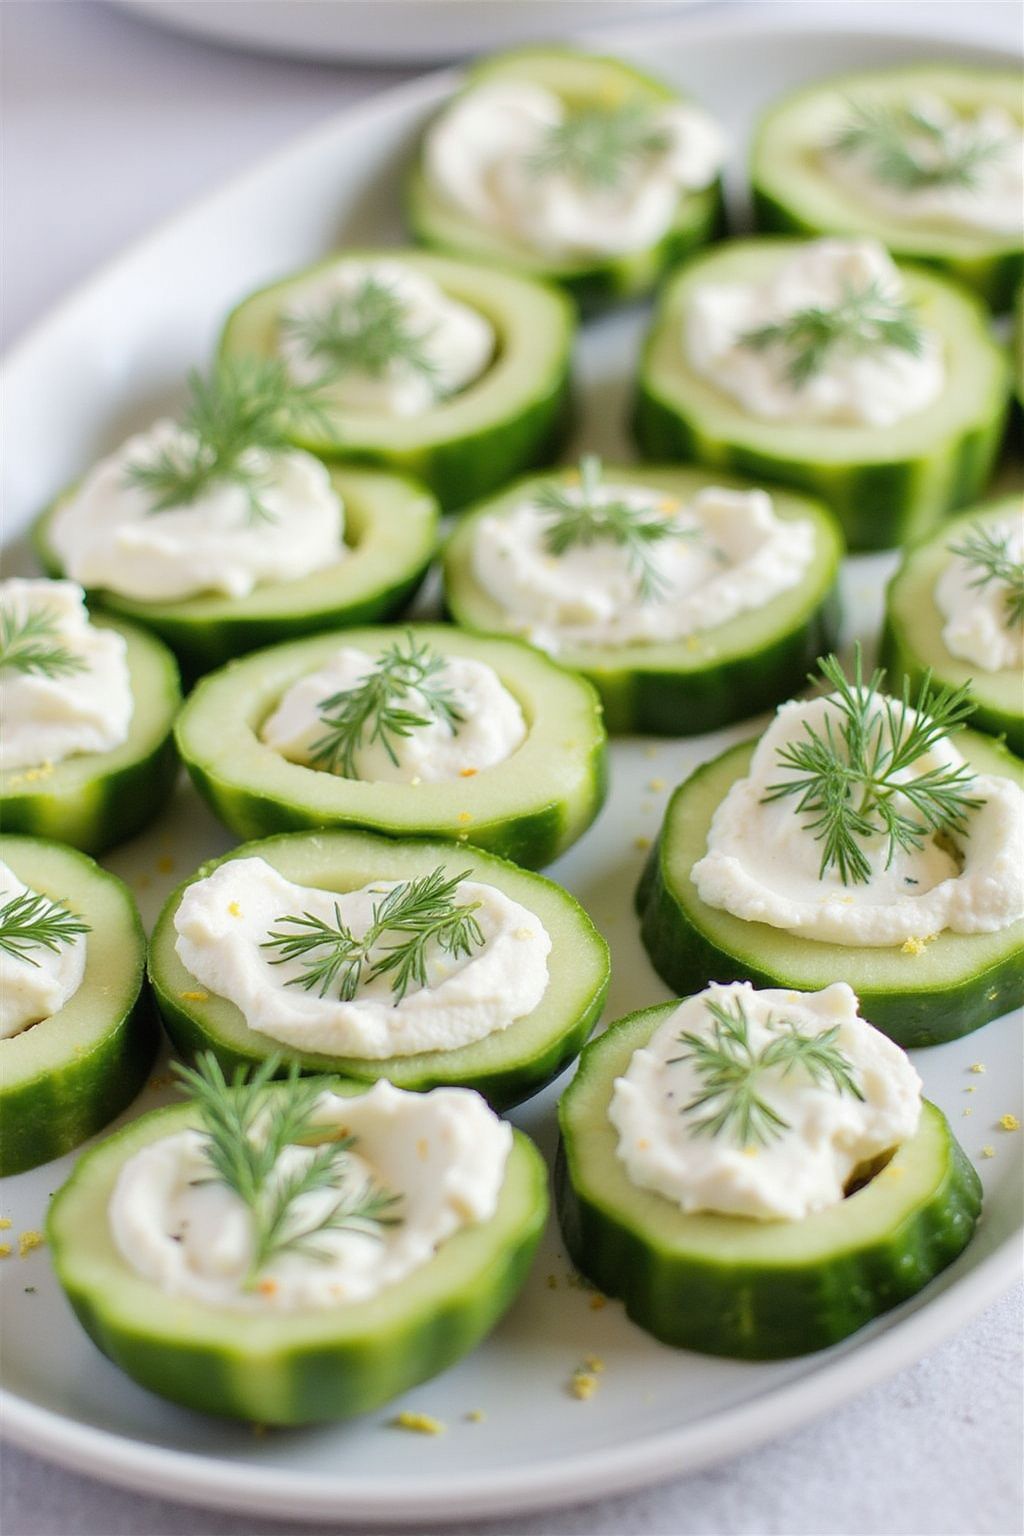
pixel 110 126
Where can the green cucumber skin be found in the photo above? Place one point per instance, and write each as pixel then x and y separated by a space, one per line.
pixel 750 1310
pixel 878 505
pixel 900 660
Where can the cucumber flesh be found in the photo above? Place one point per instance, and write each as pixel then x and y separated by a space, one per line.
pixel 301 1367
pixel 65 1078
pixel 957 983
pixel 506 1067
pixel 528 808
pixel 886 485
pixel 727 1285
pixel 701 682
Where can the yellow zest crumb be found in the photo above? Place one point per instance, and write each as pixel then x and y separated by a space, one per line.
pixel 165 864
pixel 642 1144
pixel 33 775
pixel 988 1151
pixel 594 1363
pixel 417 1423
pixel 267 1287
pixel 582 1384
pixel 598 1302
pixel 416 779
pixel 464 816
pixel 234 909
pixel 749 1151
pixel 5 1250
pixel 28 1241
pixel 668 505
pixel 913 946
pixel 475 1416
pixel 5 1223
pixel 971 1088
pixel 423 1149
pixel 977 1066
pixel 643 843
pixel 1009 1123
pixel 656 784
pixel 552 1282
pixel 195 997
pixel 468 773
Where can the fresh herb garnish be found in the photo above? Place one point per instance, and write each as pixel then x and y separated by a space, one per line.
pixel 989 553
pixel 33 645
pixel 245 406
pixel 862 319
pixel 32 921
pixel 584 520
pixel 856 779
pixel 366 332
pixel 731 1072
pixel 377 708
pixel 909 150
pixel 247 1125
pixel 412 916
pixel 597 146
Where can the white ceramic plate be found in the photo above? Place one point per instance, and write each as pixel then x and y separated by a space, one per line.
pixel 106 361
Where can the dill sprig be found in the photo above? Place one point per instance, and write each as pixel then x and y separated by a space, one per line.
pixel 855 778
pixel 584 520
pixel 909 150
pixel 413 916
pixel 378 708
pixel 31 921
pixel 244 406
pixel 597 146
pixel 989 553
pixel 365 332
pixel 732 1072
pixel 33 645
pixel 862 319
pixel 247 1125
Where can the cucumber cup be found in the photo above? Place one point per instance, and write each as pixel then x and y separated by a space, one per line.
pixel 728 1285
pixel 96 799
pixel 390 533
pixel 510 418
pixel 702 680
pixel 295 1367
pixel 887 485
pixel 917 995
pixel 796 190
pixel 63 1079
pixel 582 81
pixel 506 1066
pixel 912 641
pixel 528 808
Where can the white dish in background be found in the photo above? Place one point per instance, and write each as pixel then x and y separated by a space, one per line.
pixel 106 361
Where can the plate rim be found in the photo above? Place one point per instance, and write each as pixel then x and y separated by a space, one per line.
pixel 191 1478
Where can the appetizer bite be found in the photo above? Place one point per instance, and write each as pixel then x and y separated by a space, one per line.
pixel 219 535
pixel 568 166
pixel 863 836
pixel 87 705
pixel 297 1251
pixel 955 610
pixel 822 365
pixel 688 599
pixel 755 1173
pixel 76 1037
pixel 416 732
pixel 927 160
pixel 453 372
pixel 423 963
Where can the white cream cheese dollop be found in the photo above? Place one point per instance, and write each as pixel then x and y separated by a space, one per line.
pixel 45 719
pixel 106 533
pixel 443 1154
pixel 762 863
pixel 976 629
pixel 873 387
pixel 36 985
pixel 457 340
pixel 828 1134
pixel 990 201
pixel 223 921
pixel 490 729
pixel 733 554
pixel 478 159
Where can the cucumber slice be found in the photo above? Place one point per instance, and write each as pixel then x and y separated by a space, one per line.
pixel 958 982
pixel 912 641
pixel 63 1079
pixel 512 417
pixel 97 799
pixel 506 1067
pixel 886 485
pixel 529 808
pixel 726 1285
pixel 704 681
pixel 390 531
pixel 580 79
pixel 795 192
pixel 299 1367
